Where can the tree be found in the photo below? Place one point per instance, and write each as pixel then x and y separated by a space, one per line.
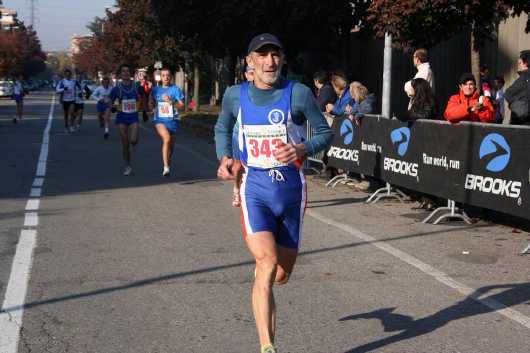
pixel 424 23
pixel 133 35
pixel 20 52
pixel 97 25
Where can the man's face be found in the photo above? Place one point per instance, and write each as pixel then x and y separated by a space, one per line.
pixel 105 82
pixel 468 88
pixel 415 60
pixel 521 65
pixel 317 84
pixel 267 64
pixel 125 73
pixel 166 77
pixel 497 84
pixel 68 75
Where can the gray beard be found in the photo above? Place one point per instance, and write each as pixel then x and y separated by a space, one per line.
pixel 273 80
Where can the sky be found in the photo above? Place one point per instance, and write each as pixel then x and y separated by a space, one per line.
pixel 56 21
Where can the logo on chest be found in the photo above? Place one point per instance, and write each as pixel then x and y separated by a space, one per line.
pixel 276 117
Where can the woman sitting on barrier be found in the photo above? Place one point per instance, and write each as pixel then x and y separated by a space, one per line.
pixel 423 103
pixel 363 102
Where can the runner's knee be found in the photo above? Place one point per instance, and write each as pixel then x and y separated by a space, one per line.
pixel 268 265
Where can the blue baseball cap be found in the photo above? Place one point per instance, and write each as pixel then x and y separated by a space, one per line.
pixel 263 39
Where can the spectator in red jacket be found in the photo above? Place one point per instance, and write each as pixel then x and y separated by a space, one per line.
pixel 468 105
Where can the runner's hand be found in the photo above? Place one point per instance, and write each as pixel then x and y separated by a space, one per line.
pixel 289 153
pixel 224 172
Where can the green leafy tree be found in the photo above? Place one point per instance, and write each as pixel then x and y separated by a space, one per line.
pixel 424 23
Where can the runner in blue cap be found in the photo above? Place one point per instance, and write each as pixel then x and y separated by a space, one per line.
pixel 273 190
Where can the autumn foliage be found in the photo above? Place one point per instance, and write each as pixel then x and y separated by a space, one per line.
pixel 20 52
pixel 424 23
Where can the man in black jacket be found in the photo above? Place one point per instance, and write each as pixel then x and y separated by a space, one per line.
pixel 325 93
pixel 518 94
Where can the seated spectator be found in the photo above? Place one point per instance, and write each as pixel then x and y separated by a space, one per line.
pixel 363 102
pixel 518 94
pixel 423 104
pixel 498 99
pixel 468 105
pixel 340 85
pixel 325 94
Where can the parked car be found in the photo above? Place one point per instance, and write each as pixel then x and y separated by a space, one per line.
pixel 6 88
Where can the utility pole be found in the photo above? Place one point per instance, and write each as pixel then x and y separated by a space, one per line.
pixel 32 13
pixel 387 77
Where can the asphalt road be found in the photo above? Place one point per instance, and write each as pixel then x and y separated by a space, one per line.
pixel 156 265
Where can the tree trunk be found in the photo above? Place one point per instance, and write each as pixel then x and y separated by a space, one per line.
pixel 186 88
pixel 196 86
pixel 215 66
pixel 475 60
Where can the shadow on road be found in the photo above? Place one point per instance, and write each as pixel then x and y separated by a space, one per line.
pixel 512 294
pixel 173 276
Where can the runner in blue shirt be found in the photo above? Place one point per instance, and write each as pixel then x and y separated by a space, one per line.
pixel 102 96
pixel 166 100
pixel 129 98
pixel 271 149
pixel 18 96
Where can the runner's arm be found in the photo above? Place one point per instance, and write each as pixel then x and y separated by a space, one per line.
pixel 304 102
pixel 95 95
pixel 225 123
pixel 152 101
pixel 142 99
pixel 60 88
pixel 179 99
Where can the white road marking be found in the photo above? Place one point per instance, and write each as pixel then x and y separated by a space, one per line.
pixel 35 192
pixel 427 269
pixel 41 169
pixel 11 321
pixel 15 295
pixel 403 256
pixel 31 219
pixel 38 182
pixel 33 205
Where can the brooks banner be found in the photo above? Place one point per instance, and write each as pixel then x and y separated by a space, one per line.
pixel 484 165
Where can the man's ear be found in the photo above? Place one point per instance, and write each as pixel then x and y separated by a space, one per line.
pixel 249 61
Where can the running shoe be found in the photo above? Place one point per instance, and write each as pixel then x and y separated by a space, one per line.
pixel 268 349
pixel 166 171
pixel 106 135
pixel 15 120
pixel 72 129
pixel 128 171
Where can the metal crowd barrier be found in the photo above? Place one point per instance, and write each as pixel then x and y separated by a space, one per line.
pixel 319 157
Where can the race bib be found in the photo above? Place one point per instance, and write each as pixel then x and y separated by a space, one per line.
pixel 260 141
pixel 165 110
pixel 68 95
pixel 128 105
